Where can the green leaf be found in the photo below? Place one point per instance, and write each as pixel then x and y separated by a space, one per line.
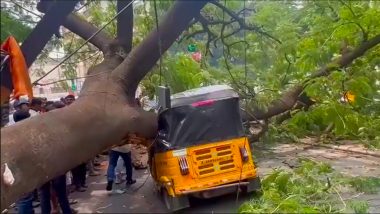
pixel 282 181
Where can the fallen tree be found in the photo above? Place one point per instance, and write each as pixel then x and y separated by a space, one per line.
pixel 289 98
pixel 225 24
pixel 105 112
pixel 40 148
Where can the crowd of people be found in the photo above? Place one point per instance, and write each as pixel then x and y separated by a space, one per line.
pixel 53 196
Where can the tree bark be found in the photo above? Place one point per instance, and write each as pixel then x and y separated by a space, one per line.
pixel 104 114
pixel 85 30
pixel 54 143
pixel 80 27
pixel 142 59
pixel 290 97
pixel 45 29
pixel 125 25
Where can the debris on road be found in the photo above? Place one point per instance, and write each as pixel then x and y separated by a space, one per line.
pixel 139 156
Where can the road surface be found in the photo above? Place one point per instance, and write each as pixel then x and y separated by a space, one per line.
pixel 141 197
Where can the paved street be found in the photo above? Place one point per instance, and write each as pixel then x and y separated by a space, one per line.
pixel 141 198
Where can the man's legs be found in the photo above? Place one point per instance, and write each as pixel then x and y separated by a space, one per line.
pixel 25 204
pixel 112 162
pixel 36 198
pixel 45 198
pixel 54 202
pixel 128 167
pixel 59 186
pixel 96 160
pixel 83 173
pixel 77 178
pixel 120 170
pixel 91 168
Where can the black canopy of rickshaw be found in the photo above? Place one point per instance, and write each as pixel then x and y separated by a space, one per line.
pixel 204 115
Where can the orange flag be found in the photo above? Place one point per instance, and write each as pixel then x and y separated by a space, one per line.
pixel 22 85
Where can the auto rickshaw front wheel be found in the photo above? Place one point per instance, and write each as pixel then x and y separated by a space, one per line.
pixel 174 204
pixel 253 186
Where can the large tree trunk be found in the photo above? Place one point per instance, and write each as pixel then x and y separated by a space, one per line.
pixel 41 148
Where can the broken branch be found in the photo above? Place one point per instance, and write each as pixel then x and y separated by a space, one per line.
pixel 290 97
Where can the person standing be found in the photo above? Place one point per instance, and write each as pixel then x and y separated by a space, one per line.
pixel 25 203
pixel 79 177
pixel 55 190
pixel 69 99
pixel 23 105
pixel 15 107
pixel 119 171
pixel 79 172
pixel 125 153
pixel 35 108
pixel 58 185
pixel 91 168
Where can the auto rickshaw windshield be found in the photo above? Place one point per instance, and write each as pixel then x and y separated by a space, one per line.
pixel 202 122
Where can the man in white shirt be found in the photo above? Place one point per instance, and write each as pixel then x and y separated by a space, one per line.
pixel 114 154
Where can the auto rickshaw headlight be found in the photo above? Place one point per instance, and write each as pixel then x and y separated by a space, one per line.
pixel 244 154
pixel 183 165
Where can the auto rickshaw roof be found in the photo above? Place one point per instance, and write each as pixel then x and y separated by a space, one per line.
pixel 213 92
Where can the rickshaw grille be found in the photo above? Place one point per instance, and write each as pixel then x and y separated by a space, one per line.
pixel 213 161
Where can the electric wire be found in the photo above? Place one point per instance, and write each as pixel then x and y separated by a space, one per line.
pixel 83 44
pixel 27 10
pixel 81 7
pixel 159 39
pixel 75 78
pixel 245 74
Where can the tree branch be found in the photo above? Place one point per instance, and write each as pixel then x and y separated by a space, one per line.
pixel 80 27
pixel 289 98
pixel 242 23
pixel 364 32
pixel 348 58
pixel 235 17
pixel 46 27
pixel 139 62
pixel 206 21
pixel 85 30
pixel 283 80
pixel 125 25
pixel 210 35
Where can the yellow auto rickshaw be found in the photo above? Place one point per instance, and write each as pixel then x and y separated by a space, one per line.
pixel 201 149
